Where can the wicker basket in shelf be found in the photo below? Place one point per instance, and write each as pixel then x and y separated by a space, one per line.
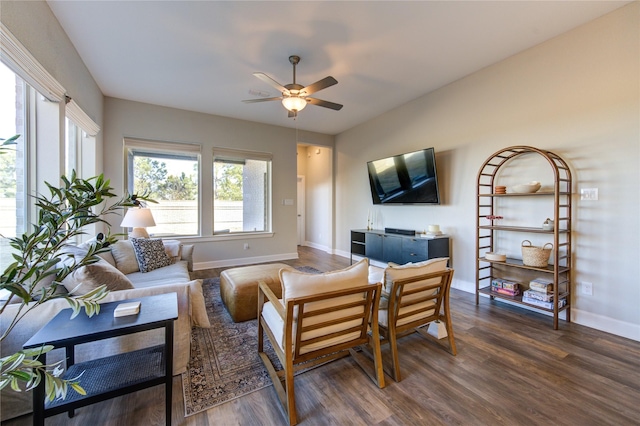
pixel 538 257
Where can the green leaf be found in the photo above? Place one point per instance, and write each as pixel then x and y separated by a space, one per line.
pixel 76 386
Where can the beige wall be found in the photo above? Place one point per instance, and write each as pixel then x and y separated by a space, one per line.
pixel 576 95
pixel 132 119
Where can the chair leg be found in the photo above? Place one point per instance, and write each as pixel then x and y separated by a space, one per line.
pixel 377 362
pixel 452 342
pixel 291 400
pixel 285 393
pixel 395 360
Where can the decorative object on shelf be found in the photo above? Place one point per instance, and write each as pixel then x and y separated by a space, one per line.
pixel 493 217
pixel 499 189
pixel 547 225
pixel 434 230
pixel 538 257
pixel 126 309
pixel 526 188
pixel 496 257
pixel 138 219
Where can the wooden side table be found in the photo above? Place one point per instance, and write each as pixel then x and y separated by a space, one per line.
pixel 112 376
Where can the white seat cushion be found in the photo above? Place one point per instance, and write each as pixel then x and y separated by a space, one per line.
pixel 297 284
pixel 395 272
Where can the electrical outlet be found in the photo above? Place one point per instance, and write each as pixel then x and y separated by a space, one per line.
pixel 587 288
pixel 589 194
pixel 246 246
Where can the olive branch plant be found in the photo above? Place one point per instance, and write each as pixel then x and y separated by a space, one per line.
pixel 42 253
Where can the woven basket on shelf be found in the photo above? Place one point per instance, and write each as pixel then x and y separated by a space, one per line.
pixel 537 257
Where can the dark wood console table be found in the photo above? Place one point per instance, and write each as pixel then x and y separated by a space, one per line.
pixel 387 247
pixel 112 376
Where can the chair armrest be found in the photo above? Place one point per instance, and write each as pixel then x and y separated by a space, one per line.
pixel 264 290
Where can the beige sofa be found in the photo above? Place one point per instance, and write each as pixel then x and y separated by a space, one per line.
pixel 167 279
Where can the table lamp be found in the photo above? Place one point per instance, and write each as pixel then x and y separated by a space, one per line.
pixel 138 219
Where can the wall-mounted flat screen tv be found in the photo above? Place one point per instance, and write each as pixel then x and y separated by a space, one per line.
pixel 405 179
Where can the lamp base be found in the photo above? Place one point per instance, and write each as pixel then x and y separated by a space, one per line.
pixel 139 233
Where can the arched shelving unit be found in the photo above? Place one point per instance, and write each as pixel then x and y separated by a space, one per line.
pixel 487 232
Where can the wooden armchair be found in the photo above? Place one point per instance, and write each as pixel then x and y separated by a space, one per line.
pixel 321 317
pixel 415 296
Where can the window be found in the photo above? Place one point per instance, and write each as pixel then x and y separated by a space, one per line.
pixel 30 107
pixel 241 191
pixel 168 174
pixel 13 118
pixel 73 148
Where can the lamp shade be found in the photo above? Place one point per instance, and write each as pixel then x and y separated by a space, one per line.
pixel 294 103
pixel 138 219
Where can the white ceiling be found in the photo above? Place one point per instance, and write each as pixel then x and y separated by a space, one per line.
pixel 200 55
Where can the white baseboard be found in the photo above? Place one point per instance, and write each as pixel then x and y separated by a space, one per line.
pixel 244 261
pixel 318 246
pixel 606 324
pixel 342 253
pixel 588 319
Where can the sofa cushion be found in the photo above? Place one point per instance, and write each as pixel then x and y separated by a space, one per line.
pixel 173 248
pixel 172 274
pixel 89 277
pixel 124 256
pixel 150 254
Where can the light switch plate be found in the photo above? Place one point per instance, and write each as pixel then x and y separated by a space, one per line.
pixel 589 194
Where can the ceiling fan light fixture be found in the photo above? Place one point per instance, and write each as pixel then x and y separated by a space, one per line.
pixel 294 103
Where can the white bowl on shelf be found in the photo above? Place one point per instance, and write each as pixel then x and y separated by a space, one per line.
pixel 526 188
pixel 496 257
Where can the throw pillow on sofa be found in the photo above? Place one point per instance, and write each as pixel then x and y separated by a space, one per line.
pixel 124 256
pixel 90 277
pixel 150 254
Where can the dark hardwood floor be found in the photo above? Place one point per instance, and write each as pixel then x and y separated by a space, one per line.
pixel 512 368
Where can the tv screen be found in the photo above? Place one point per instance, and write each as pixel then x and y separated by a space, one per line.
pixel 405 179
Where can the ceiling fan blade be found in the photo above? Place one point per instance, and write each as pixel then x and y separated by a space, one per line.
pixel 318 85
pixel 249 101
pixel 271 82
pixel 326 104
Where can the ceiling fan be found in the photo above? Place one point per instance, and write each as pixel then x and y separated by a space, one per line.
pixel 295 96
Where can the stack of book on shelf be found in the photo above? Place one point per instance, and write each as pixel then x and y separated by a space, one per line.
pixel 540 294
pixel 507 287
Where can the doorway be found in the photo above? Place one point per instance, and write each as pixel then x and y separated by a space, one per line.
pixel 300 210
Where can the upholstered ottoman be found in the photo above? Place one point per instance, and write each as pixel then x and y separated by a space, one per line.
pixel 239 288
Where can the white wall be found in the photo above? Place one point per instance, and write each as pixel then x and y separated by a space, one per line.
pixel 132 119
pixel 576 95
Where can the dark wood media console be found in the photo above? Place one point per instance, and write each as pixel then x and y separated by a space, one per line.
pixel 388 247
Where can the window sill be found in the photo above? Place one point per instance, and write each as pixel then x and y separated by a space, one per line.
pixel 219 237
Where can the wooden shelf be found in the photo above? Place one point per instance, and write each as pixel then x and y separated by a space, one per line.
pixel 521 229
pixel 518 299
pixel 489 236
pixel 517 263
pixel 527 194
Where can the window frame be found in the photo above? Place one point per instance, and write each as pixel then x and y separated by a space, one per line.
pixel 168 149
pixel 238 155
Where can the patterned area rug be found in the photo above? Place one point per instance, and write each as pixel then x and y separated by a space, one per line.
pixel 224 363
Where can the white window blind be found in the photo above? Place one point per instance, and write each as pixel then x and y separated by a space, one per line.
pixel 17 58
pixel 148 145
pixel 234 154
pixel 81 119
